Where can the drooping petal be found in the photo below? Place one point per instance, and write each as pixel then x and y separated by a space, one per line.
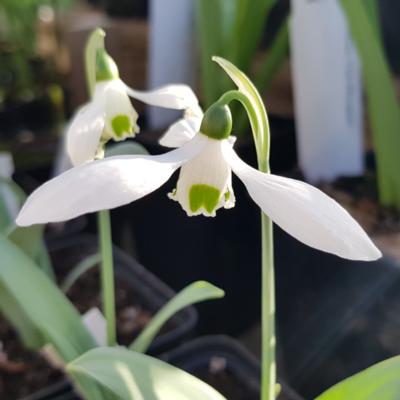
pixel 175 96
pixel 120 116
pixel 181 132
pixel 305 212
pixel 205 182
pixel 103 184
pixel 83 135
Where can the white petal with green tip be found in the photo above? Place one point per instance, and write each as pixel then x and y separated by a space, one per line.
pixel 121 117
pixel 103 184
pixel 204 183
pixel 304 212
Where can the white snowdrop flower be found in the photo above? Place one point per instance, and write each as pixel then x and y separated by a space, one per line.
pixel 110 114
pixel 204 186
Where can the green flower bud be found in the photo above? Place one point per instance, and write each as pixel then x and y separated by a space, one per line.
pixel 106 69
pixel 217 122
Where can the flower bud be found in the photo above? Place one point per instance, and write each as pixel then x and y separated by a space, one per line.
pixel 217 122
pixel 106 69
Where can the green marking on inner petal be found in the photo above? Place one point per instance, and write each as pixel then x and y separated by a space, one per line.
pixel 121 124
pixel 227 195
pixel 203 196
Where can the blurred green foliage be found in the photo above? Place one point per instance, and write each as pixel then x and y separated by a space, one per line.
pixel 19 63
pixel 234 30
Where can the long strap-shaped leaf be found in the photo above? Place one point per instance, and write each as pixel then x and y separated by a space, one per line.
pixel 379 382
pixel 136 376
pixel 194 293
pixel 30 240
pixel 42 302
pixel 250 21
pixel 384 109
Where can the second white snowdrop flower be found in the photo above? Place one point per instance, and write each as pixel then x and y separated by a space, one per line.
pixel 110 114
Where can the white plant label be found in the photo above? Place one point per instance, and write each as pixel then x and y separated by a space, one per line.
pixel 327 91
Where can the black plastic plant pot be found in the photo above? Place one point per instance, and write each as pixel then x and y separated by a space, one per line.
pixel 335 317
pixel 148 291
pixel 225 364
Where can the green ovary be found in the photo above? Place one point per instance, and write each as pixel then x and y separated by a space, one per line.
pixel 121 124
pixel 204 196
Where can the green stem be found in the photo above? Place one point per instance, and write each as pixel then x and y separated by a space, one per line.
pixel 95 43
pixel 262 143
pixel 268 364
pixel 107 275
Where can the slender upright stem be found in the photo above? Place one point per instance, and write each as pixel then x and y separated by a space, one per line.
pixel 107 275
pixel 268 366
pixel 268 346
pixel 95 43
pixel 260 129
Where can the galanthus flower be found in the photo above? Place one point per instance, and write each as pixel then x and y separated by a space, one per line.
pixel 204 185
pixel 110 114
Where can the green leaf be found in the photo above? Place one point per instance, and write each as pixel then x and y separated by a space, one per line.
pixel 91 389
pixel 256 112
pixel 381 381
pixel 30 241
pixel 136 376
pixel 14 313
pixel 383 106
pixel 209 15
pixel 128 147
pixel 274 58
pixel 191 294
pixel 45 306
pixel 250 22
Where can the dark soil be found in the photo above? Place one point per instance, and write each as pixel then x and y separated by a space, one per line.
pixel 21 371
pixel 358 195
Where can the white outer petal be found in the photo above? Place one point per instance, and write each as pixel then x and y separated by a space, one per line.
pixel 176 96
pixel 181 132
pixel 103 184
pixel 84 132
pixel 305 212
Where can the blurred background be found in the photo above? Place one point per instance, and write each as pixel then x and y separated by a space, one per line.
pixel 328 71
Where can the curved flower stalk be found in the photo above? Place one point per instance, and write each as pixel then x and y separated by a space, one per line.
pixel 110 114
pixel 204 186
